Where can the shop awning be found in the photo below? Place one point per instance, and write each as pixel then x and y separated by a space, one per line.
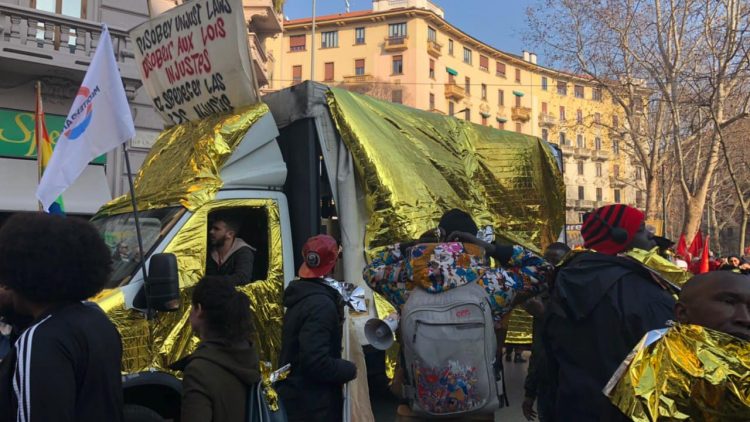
pixel 451 71
pixel 518 93
pixel 19 182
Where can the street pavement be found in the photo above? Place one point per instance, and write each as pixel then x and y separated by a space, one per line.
pixel 384 407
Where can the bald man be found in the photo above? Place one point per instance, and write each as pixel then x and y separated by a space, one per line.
pixel 719 300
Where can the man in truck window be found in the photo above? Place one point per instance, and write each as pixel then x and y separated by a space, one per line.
pixel 66 365
pixel 229 258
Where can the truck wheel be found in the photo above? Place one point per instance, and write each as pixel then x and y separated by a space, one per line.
pixel 137 413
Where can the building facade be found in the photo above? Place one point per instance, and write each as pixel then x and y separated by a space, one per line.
pixel 52 42
pixel 406 51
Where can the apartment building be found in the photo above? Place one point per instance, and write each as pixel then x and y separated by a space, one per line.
pixel 53 41
pixel 406 51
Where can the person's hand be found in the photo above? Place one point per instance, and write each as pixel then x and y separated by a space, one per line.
pixel 534 306
pixel 528 408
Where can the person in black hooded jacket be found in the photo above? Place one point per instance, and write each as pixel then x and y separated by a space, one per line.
pixel 601 306
pixel 311 339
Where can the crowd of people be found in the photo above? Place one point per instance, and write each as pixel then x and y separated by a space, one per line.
pixel 591 308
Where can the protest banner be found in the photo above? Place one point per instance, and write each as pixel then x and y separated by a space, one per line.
pixel 194 60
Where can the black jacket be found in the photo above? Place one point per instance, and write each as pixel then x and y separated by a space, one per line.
pixel 216 381
pixel 68 363
pixel 237 268
pixel 600 308
pixel 311 343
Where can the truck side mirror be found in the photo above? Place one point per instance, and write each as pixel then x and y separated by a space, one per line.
pixel 163 283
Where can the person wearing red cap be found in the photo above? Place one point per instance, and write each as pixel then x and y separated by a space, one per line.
pixel 311 338
pixel 601 305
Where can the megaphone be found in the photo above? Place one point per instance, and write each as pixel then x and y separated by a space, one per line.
pixel 380 332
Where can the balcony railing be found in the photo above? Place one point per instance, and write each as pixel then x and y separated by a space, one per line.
pixel 547 120
pixel 396 43
pixel 358 79
pixel 600 155
pixel 262 59
pixel 585 204
pixel 615 181
pixel 263 17
pixel 454 91
pixel 583 152
pixel 434 48
pixel 522 114
pixel 567 150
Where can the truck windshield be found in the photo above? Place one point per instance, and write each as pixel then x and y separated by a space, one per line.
pixel 118 232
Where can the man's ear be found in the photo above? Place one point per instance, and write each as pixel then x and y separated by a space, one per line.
pixel 681 313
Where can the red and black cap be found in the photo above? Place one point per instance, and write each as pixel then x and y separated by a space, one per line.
pixel 320 254
pixel 611 228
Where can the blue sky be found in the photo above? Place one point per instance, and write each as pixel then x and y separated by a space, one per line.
pixel 499 23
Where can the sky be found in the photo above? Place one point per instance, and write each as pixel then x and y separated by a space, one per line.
pixel 499 23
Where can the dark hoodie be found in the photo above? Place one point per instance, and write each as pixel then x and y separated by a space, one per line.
pixel 311 343
pixel 600 308
pixel 216 381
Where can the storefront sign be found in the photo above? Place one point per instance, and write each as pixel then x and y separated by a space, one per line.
pixel 194 60
pixel 17 133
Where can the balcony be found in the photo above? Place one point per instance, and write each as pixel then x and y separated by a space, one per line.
pixel 262 17
pixel 582 153
pixel 584 204
pixel 455 92
pixel 262 60
pixel 521 114
pixel 353 81
pixel 396 44
pixel 37 44
pixel 571 203
pixel 616 182
pixel 567 150
pixel 600 155
pixel 434 49
pixel 547 120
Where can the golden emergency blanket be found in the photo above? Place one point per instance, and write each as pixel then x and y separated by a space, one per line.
pixel 520 328
pixel 661 265
pixel 183 166
pixel 691 373
pixel 414 165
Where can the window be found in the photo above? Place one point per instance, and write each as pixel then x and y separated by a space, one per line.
pixel 581 193
pixel 581 217
pixel 598 172
pixel 562 113
pixel 562 88
pixel 451 79
pixel 359 35
pixel 545 135
pixel 639 173
pixel 580 142
pixel 500 69
pixel 598 143
pixel 617 195
pixel 518 101
pixel 397 96
pixel 580 168
pixel 484 92
pixel 615 122
pixel 597 118
pixel 518 75
pixel 519 127
pixel 450 47
pixel 432 101
pixel 484 120
pixel 500 97
pixel 544 107
pixel 328 71
pixel 451 108
pixel 73 8
pixel 467 115
pixel 599 194
pixel 398 65
pixel 297 43
pixel 484 63
pixel 596 94
pixel 296 74
pixel 615 147
pixel 578 91
pixel 467 56
pixel 432 69
pixel 616 170
pixel 397 30
pixel 579 116
pixel 359 67
pixel 467 85
pixel 638 197
pixel 501 125
pixel 544 83
pixel 563 141
pixel 431 34
pixel 329 39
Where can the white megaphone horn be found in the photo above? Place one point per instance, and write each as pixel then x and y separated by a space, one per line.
pixel 380 332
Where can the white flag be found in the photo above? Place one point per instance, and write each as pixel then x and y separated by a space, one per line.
pixel 98 121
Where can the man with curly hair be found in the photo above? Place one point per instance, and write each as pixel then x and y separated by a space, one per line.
pixel 66 365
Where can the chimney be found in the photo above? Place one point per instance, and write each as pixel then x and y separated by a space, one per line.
pixel 532 56
pixel 525 56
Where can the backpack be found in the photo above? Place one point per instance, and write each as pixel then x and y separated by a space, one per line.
pixel 449 349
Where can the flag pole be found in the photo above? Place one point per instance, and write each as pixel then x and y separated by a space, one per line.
pixel 135 213
pixel 36 140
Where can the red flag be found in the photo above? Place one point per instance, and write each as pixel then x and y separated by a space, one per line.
pixel 703 268
pixel 682 250
pixel 696 245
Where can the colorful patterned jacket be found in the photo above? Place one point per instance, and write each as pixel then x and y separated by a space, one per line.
pixel 438 267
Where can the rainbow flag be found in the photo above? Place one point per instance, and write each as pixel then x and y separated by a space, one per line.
pixel 44 148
